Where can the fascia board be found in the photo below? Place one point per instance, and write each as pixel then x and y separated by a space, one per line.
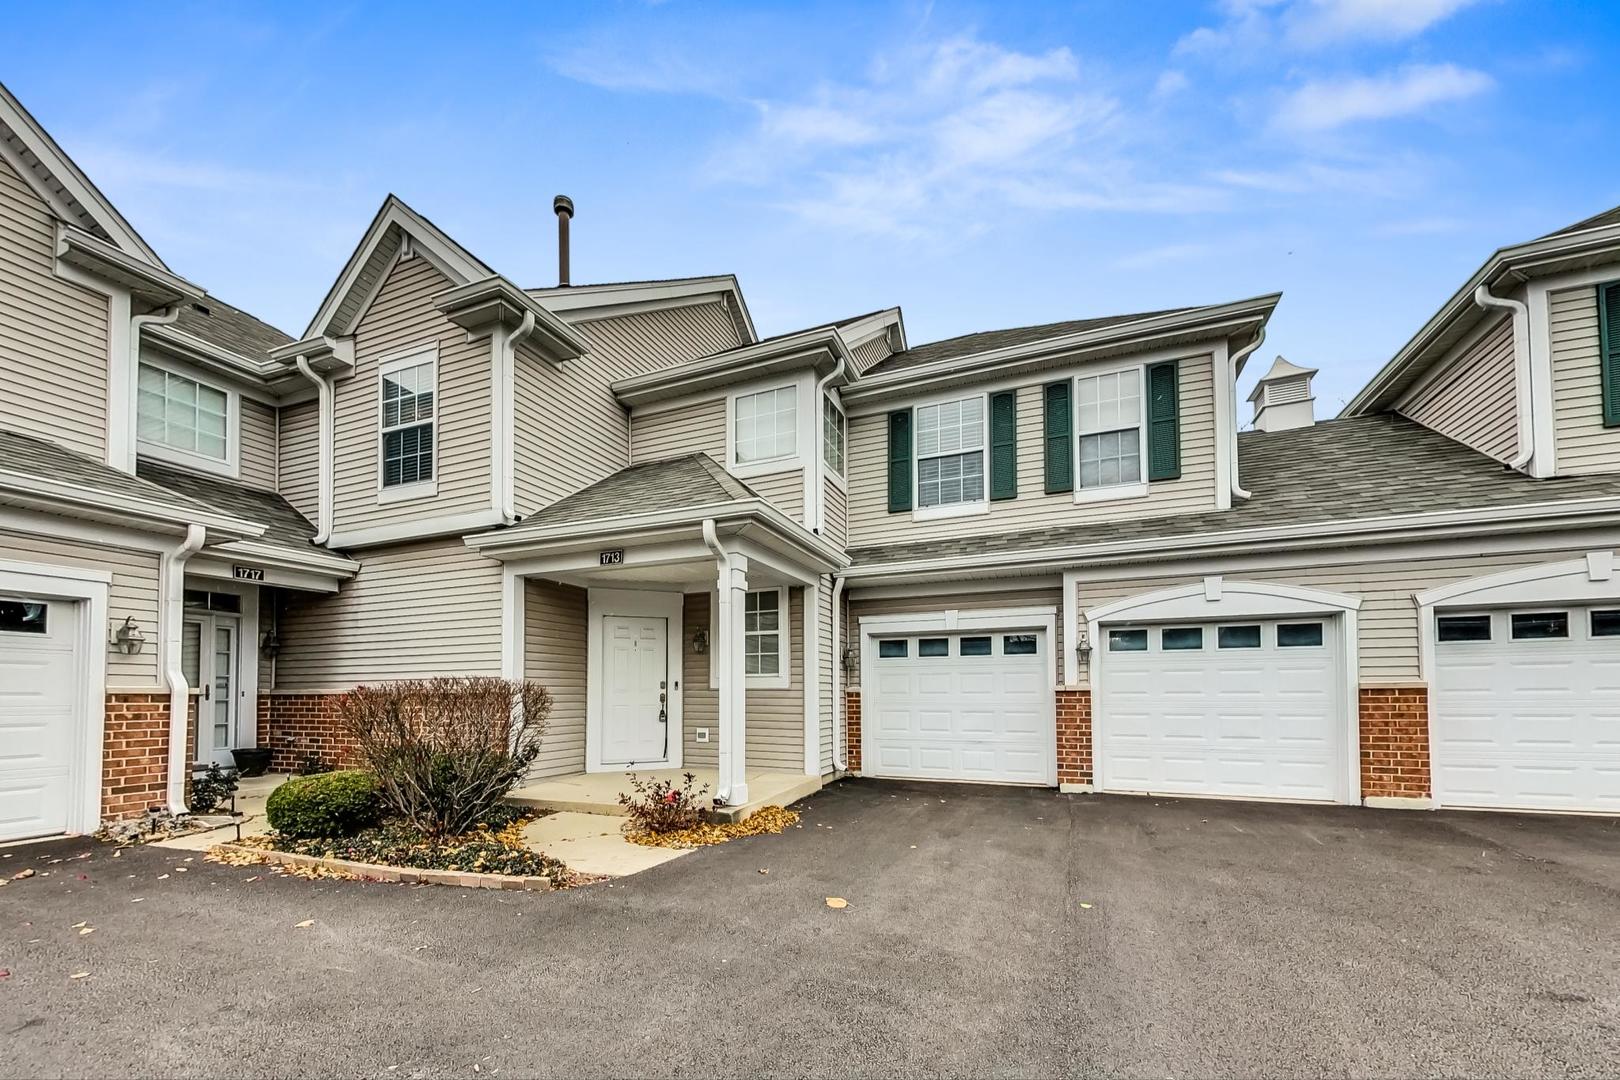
pixel 96 256
pixel 732 366
pixel 63 494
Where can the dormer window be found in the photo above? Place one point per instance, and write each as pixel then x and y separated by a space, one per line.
pixel 409 399
pixel 184 420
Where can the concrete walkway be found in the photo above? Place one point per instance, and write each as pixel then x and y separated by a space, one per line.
pixel 598 793
pixel 593 844
pixel 251 793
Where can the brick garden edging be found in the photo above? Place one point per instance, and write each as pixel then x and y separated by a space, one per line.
pixel 405 875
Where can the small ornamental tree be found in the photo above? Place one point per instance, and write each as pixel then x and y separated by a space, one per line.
pixel 446 750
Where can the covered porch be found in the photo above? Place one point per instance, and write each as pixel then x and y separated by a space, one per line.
pixel 673 638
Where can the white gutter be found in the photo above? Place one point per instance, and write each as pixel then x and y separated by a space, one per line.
pixel 840 721
pixel 323 512
pixel 172 573
pixel 815 515
pixel 1521 369
pixel 506 463
pixel 1237 358
pixel 128 394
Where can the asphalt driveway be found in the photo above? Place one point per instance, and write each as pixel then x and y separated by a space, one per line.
pixel 1220 939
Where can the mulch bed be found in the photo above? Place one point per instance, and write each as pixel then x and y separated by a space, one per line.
pixel 767 819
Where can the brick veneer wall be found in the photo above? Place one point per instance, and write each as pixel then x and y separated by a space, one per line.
pixel 134 755
pixel 1395 742
pixel 852 729
pixel 296 725
pixel 1074 736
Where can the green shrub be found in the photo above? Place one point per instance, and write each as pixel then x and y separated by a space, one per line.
pixel 324 805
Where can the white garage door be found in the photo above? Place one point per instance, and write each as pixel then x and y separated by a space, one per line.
pixel 1243 708
pixel 970 706
pixel 1527 709
pixel 39 672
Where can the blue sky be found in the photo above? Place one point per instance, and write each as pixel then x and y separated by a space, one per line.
pixel 982 165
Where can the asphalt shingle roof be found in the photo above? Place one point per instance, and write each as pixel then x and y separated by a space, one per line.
pixel 1596 221
pixel 284 526
pixel 990 340
pixel 219 323
pixel 1342 470
pixel 692 480
pixel 48 461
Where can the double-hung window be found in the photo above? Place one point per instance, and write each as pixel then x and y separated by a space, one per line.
pixel 950 453
pixel 832 435
pixel 174 413
pixel 408 404
pixel 1108 421
pixel 762 632
pixel 766 425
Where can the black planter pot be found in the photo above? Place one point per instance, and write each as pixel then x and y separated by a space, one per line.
pixel 253 761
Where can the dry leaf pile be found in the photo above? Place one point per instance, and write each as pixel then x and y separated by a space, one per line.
pixel 769 819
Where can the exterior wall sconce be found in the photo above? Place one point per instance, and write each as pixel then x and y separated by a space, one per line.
pixel 846 657
pixel 271 645
pixel 1082 645
pixel 700 642
pixel 128 637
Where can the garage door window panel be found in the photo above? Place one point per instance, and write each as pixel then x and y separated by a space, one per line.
pixel 1238 637
pixel 1127 640
pixel 950 454
pixel 934 647
pixel 1450 629
pixel 1299 635
pixel 1606 623
pixel 23 617
pixel 1181 638
pixel 975 646
pixel 893 649
pixel 1019 645
pixel 1540 625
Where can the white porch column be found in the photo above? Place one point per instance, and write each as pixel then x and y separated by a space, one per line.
pixel 731 674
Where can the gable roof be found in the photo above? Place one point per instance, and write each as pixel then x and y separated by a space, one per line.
pixel 46 167
pixel 1596 221
pixel 218 323
pixel 1334 473
pixel 692 480
pixel 284 526
pixel 990 340
pixel 604 300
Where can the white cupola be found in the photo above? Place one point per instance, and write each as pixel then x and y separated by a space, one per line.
pixel 1282 398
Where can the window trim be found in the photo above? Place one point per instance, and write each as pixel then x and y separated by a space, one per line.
pixel 231 464
pixel 919 512
pixel 766 466
pixel 839 476
pixel 1110 492
pixel 421 489
pixel 784 652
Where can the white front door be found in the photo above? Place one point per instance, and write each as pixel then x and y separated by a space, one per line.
pixel 39 691
pixel 209 659
pixel 961 706
pixel 1242 708
pixel 635 690
pixel 1526 711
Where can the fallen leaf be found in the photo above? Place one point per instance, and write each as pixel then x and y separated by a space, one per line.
pixel 21 874
pixel 837 902
pixel 87 930
pixel 763 870
pixel 1086 906
pixel 80 975
pixel 179 869
pixel 163 877
pixel 77 925
pixel 306 924
pixel 137 900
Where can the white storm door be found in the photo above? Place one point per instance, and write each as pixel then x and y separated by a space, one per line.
pixel 635 677
pixel 39 716
pixel 209 658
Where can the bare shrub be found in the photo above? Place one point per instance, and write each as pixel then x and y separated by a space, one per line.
pixel 446 750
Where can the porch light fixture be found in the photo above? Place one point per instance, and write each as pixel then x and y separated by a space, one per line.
pixel 1082 645
pixel 700 642
pixel 129 638
pixel 846 657
pixel 271 645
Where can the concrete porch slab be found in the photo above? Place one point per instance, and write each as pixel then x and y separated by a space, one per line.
pixel 598 793
pixel 593 844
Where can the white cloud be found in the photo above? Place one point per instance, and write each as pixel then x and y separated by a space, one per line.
pixel 1170 83
pixel 1249 26
pixel 1322 105
pixel 1169 254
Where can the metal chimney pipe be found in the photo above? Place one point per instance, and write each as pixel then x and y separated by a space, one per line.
pixel 565 210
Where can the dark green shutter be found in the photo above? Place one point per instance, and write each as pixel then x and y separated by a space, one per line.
pixel 899 461
pixel 1059 438
pixel 1164 423
pixel 1004 445
pixel 1609 351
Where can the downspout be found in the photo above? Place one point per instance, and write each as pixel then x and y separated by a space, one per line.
pixel 137 323
pixel 323 499
pixel 506 504
pixel 723 664
pixel 816 517
pixel 1237 358
pixel 840 721
pixel 1521 369
pixel 173 573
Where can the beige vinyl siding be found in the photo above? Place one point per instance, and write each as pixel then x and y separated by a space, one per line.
pixel 134 592
pixel 298 467
pixel 1471 398
pixel 1016 596
pixel 646 341
pixel 258 444
pixel 870 352
pixel 53 333
pixel 696 428
pixel 570 430
pixel 871 523
pixel 414 611
pixel 401 321
pixel 783 490
pixel 835 527
pixel 1387 622
pixel 775 722
pixel 554 655
pixel 1584 445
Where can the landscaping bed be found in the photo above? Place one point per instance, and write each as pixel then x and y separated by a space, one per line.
pixel 767 819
